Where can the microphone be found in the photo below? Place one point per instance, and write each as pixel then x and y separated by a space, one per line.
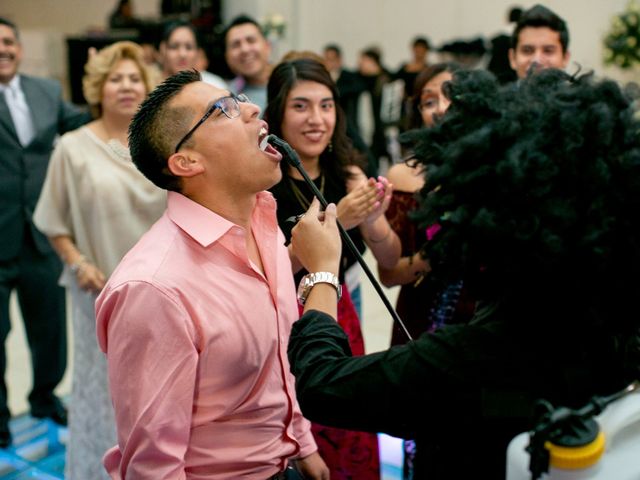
pixel 294 160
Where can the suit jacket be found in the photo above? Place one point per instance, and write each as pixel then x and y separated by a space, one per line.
pixel 23 169
pixel 350 87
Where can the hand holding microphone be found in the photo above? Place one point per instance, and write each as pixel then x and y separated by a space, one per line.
pixel 315 239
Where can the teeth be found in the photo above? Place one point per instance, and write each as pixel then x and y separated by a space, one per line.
pixel 263 142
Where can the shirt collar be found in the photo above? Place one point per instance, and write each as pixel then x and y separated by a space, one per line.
pixel 204 225
pixel 14 84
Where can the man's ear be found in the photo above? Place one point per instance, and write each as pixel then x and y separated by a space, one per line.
pixel 182 165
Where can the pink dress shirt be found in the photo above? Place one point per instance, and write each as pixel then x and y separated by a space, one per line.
pixel 196 341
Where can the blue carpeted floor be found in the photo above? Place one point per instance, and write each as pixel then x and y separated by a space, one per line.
pixel 37 451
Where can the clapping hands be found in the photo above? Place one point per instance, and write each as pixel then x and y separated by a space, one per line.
pixel 366 201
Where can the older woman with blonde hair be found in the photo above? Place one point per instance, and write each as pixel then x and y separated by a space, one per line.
pixel 94 206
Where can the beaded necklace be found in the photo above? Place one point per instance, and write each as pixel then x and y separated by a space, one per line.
pixel 302 200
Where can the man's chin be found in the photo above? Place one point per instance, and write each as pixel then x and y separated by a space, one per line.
pixel 7 72
pixel 275 180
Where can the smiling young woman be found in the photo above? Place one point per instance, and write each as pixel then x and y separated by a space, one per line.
pixel 302 109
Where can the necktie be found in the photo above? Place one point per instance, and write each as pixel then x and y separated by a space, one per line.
pixel 20 114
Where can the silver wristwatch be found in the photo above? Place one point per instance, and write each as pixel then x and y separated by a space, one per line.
pixel 310 279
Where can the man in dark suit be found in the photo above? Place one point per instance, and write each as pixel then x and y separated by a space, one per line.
pixel 32 113
pixel 349 84
pixel 350 87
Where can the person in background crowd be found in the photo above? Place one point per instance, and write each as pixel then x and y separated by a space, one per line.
pixel 540 40
pixel 500 44
pixel 430 102
pixel 408 72
pixel 122 16
pixel 423 305
pixel 32 114
pixel 350 86
pixel 375 77
pixel 94 206
pixel 537 197
pixel 179 51
pixel 247 52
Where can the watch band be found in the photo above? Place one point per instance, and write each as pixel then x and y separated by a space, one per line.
pixel 310 279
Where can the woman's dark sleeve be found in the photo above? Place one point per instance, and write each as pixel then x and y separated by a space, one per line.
pixel 392 391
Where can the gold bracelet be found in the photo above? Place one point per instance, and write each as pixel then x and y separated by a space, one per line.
pixel 383 238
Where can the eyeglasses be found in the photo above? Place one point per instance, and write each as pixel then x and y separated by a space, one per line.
pixel 229 106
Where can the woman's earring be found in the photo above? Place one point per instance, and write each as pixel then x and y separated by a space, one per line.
pixel 330 147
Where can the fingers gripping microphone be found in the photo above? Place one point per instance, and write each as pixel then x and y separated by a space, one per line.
pixel 292 158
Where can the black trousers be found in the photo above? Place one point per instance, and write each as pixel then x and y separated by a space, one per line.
pixel 35 276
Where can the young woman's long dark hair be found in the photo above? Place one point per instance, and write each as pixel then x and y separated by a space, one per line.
pixel 335 159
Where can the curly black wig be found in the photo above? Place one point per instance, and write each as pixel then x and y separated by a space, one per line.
pixel 536 188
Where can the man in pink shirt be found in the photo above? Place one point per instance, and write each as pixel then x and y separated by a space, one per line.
pixel 196 318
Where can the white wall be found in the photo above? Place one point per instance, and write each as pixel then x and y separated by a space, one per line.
pixel 354 24
pixel 392 24
pixel 44 25
pixel 68 16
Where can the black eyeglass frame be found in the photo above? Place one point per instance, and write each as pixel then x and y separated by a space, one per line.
pixel 218 104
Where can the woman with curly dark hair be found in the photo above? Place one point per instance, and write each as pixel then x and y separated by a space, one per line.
pixel 536 193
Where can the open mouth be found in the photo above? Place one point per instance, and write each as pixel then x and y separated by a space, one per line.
pixel 263 139
pixel 265 146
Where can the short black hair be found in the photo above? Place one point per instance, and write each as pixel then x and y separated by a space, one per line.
pixel 421 41
pixel 334 48
pixel 374 54
pixel 536 193
pixel 514 14
pixel 540 16
pixel 173 25
pixel 156 128
pixel 11 25
pixel 240 20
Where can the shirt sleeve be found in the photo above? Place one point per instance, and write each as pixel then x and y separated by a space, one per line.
pixel 396 391
pixel 51 215
pixel 152 357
